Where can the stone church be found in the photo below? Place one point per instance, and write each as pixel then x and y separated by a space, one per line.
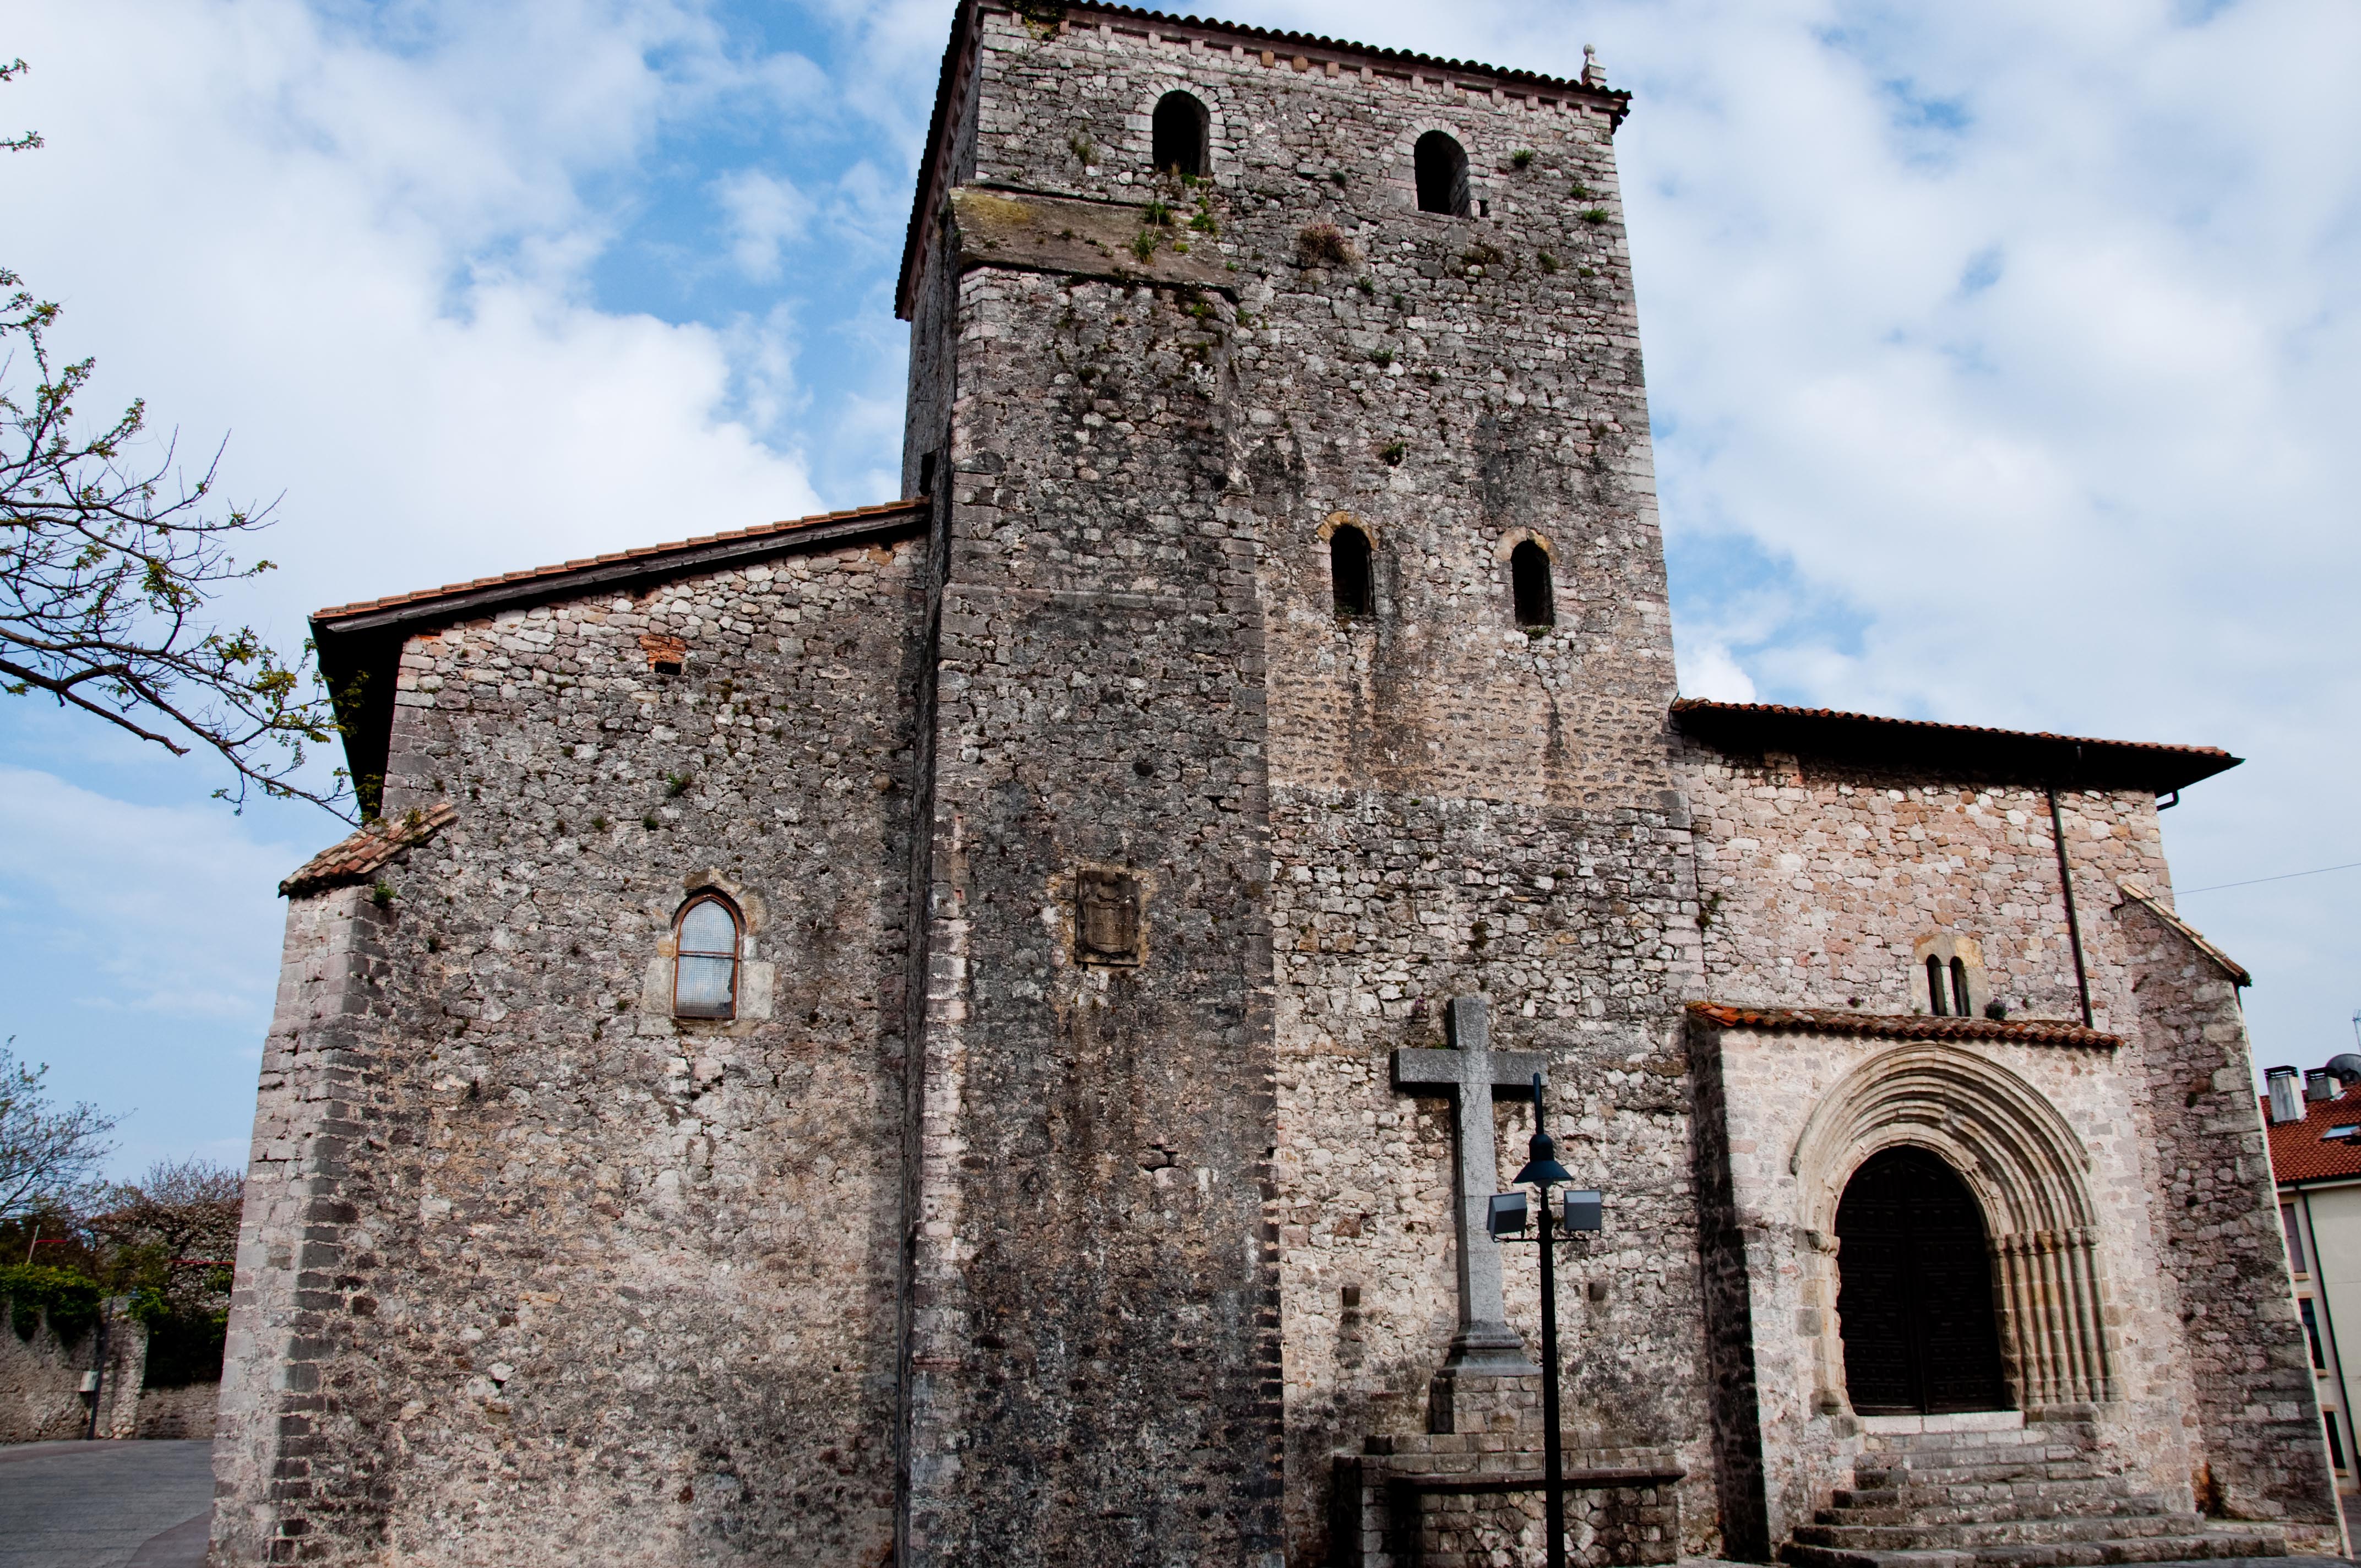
pixel 980 1030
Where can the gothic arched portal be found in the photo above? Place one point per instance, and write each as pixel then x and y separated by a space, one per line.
pixel 2026 1173
pixel 1914 1289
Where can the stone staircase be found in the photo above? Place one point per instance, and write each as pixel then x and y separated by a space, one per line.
pixel 1993 1491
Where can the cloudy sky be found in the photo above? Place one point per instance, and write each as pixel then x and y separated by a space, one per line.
pixel 2006 367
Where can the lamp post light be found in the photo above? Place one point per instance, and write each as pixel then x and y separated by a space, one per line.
pixel 1508 1221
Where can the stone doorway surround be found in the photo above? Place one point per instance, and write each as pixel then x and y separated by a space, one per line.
pixel 2038 1120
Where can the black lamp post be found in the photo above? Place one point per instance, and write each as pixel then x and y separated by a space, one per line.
pixel 1542 1170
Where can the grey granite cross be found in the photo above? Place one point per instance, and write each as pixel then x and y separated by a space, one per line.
pixel 1468 1073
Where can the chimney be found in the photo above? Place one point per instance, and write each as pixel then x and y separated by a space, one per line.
pixel 2321 1084
pixel 2286 1105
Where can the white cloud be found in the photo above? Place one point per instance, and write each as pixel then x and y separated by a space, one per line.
pixel 370 266
pixel 2005 371
pixel 765 213
pixel 116 908
pixel 1707 670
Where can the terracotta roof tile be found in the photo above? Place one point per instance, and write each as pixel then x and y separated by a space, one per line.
pixel 2299 1151
pixel 2068 761
pixel 651 554
pixel 1901 1026
pixel 363 854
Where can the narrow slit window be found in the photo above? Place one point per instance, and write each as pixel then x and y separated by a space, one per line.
pixel 1935 999
pixel 1959 987
pixel 1179 134
pixel 1528 573
pixel 2335 1440
pixel 1348 572
pixel 2294 1238
pixel 1441 167
pixel 705 972
pixel 2311 1332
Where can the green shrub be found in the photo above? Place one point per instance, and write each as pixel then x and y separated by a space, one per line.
pixel 68 1301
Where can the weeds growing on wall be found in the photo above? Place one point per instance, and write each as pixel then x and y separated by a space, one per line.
pixel 68 1301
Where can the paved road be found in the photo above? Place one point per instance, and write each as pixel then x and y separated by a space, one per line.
pixel 105 1505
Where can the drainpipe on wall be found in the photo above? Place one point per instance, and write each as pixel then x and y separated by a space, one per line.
pixel 2066 881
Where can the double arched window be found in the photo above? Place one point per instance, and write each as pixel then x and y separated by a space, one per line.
pixel 1178 134
pixel 1442 165
pixel 1953 967
pixel 705 967
pixel 1947 988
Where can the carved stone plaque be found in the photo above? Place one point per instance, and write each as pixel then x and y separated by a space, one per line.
pixel 1106 917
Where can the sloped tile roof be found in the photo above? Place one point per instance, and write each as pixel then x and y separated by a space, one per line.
pixel 2228 965
pixel 2066 762
pixel 1901 1026
pixel 2300 1153
pixel 651 557
pixel 363 854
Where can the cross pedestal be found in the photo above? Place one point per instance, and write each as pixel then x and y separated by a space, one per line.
pixel 1488 1365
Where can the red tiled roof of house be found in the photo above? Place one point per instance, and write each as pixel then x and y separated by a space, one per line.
pixel 2299 1151
pixel 362 855
pixel 1903 1026
pixel 2065 761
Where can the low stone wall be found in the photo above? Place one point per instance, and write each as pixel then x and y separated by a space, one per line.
pixel 1442 1500
pixel 185 1412
pixel 41 1396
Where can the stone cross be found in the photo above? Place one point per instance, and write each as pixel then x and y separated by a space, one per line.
pixel 1468 1073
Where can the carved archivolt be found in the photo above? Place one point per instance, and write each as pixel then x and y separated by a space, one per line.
pixel 2029 1173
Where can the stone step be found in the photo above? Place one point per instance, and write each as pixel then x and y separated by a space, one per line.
pixel 2067 1496
pixel 2131 1505
pixel 1839 1557
pixel 1868 1474
pixel 2215 1542
pixel 1974 1535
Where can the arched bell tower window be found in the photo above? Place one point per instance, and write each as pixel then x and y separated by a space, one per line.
pixel 1441 165
pixel 1179 134
pixel 705 970
pixel 1529 575
pixel 1348 572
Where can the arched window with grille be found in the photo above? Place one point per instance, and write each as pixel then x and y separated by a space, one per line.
pixel 705 966
pixel 1529 577
pixel 1441 167
pixel 1178 134
pixel 1348 572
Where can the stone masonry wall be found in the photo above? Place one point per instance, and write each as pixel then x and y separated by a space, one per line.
pixel 1454 804
pixel 41 1374
pixel 2256 1411
pixel 531 1268
pixel 1816 881
pixel 1770 1085
pixel 1096 1343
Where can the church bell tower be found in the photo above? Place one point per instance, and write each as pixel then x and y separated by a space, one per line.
pixel 1299 602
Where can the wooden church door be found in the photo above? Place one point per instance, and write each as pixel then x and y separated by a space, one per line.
pixel 1914 1290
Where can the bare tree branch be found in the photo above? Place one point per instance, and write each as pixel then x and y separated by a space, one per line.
pixel 107 564
pixel 106 569
pixel 46 1156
